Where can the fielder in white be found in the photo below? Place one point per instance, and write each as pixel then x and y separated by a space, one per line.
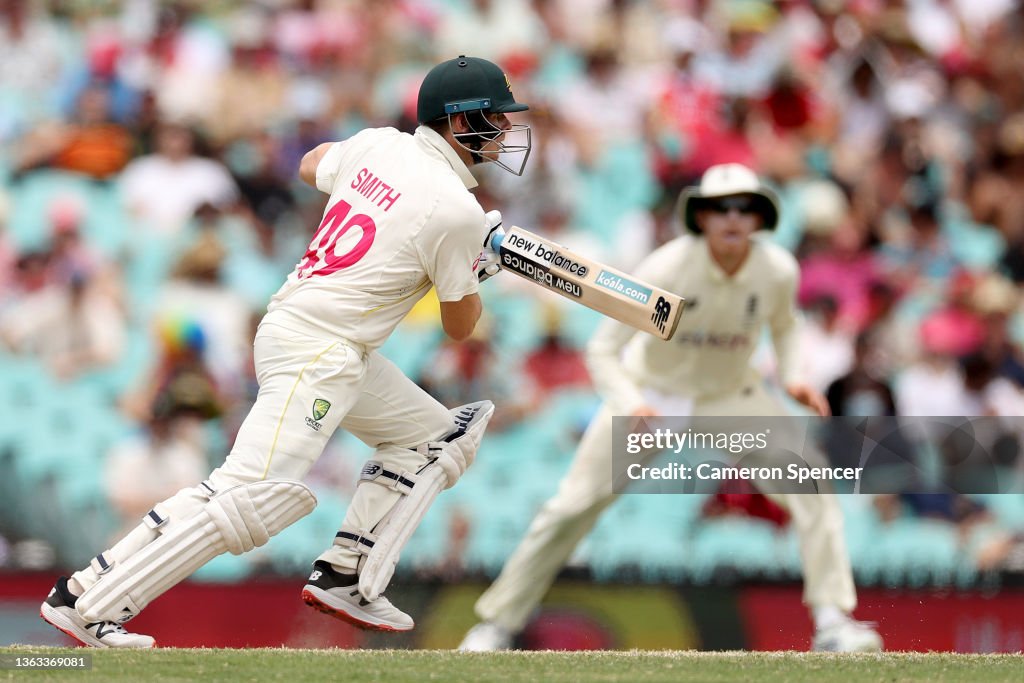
pixel 400 218
pixel 734 284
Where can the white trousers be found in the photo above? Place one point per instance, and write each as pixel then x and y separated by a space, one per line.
pixel 308 387
pixel 586 490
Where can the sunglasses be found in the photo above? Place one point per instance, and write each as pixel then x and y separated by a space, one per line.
pixel 727 204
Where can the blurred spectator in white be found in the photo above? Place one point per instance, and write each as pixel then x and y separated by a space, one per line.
pixel 93 144
pixel 985 392
pixel 73 327
pixel 185 58
pixel 32 56
pixel 499 30
pixel 826 345
pixel 933 385
pixel 165 188
pixel 751 55
pixel 859 102
pixel 608 106
pixel 168 454
pixel 197 293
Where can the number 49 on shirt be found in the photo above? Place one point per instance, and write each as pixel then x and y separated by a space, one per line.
pixel 321 257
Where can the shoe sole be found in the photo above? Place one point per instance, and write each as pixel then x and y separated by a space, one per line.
pixel 310 599
pixel 57 620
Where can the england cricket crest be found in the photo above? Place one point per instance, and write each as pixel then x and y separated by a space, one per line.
pixel 320 408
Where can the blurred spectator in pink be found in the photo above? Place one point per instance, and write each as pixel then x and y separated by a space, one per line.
pixel 835 260
pixel 70 253
pixel 163 190
pixel 7 254
pixel 687 108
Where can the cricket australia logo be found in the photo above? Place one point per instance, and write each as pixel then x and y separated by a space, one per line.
pixel 662 310
pixel 320 408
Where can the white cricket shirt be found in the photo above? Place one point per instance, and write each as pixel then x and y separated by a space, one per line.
pixel 717 334
pixel 400 219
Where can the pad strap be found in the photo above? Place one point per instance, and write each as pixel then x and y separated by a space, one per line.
pixel 101 565
pixel 374 471
pixel 359 540
pixel 155 518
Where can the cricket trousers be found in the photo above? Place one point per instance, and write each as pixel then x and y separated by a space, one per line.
pixel 586 490
pixel 308 387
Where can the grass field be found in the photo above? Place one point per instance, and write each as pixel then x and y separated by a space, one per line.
pixel 171 664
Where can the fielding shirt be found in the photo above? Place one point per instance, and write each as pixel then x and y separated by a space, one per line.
pixel 400 219
pixel 722 320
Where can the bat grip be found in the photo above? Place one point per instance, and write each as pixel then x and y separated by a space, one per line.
pixel 496 241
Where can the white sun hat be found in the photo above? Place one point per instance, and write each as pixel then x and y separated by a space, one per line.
pixel 727 180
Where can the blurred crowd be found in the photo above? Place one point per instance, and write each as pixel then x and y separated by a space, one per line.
pixel 149 202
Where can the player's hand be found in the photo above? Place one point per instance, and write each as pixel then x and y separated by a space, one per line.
pixel 810 397
pixel 492 223
pixel 489 262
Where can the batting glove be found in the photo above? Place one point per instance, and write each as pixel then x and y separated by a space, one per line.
pixel 489 262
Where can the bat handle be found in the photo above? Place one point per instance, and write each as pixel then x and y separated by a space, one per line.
pixel 496 241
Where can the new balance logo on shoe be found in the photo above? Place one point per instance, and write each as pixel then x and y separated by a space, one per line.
pixel 103 628
pixel 315 575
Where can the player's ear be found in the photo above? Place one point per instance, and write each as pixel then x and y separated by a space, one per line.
pixel 459 123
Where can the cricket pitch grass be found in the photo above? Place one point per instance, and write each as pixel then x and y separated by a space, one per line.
pixel 293 666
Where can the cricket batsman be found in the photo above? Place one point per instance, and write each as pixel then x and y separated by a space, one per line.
pixel 734 284
pixel 399 220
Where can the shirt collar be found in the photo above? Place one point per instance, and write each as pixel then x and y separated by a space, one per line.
pixel 717 275
pixel 433 142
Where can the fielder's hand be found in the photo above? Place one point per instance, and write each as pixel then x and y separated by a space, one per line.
pixel 489 262
pixel 810 397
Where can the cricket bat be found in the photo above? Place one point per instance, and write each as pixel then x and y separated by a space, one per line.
pixel 597 286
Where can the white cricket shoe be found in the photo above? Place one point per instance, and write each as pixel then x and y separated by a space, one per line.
pixel 847 635
pixel 338 595
pixel 59 611
pixel 486 637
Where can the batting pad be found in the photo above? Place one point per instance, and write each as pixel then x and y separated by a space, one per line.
pixel 235 520
pixel 454 455
pixel 395 530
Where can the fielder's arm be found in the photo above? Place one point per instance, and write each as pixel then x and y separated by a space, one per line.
pixel 785 329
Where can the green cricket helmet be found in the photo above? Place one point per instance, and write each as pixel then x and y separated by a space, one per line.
pixel 474 87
